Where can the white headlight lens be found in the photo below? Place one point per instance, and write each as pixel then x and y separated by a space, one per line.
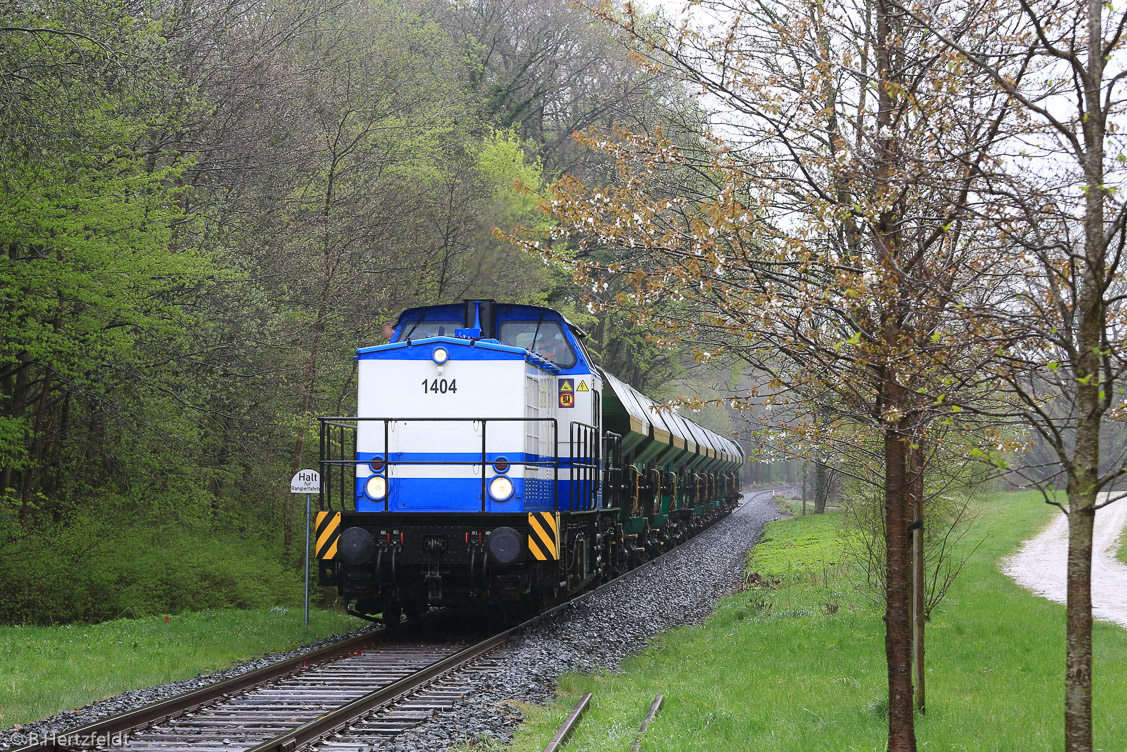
pixel 376 487
pixel 501 488
pixel 440 355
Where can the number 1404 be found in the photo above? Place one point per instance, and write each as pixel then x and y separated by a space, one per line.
pixel 440 386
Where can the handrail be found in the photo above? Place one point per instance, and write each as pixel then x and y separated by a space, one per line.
pixel 340 451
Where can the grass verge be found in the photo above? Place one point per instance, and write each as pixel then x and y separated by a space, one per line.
pixel 44 670
pixel 799 666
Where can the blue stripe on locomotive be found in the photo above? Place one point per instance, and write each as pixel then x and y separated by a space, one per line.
pixel 461 495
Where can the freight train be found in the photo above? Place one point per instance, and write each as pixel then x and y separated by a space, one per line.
pixel 493 463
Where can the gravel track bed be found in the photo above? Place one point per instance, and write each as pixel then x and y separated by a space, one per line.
pixel 594 634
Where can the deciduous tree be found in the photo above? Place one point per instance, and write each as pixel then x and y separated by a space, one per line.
pixel 1055 304
pixel 819 224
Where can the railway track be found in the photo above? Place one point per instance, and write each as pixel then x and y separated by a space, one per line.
pixel 341 698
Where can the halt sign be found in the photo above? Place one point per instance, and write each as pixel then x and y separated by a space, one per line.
pixel 306 481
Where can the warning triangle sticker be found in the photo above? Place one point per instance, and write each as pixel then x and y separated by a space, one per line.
pixel 565 385
pixel 582 387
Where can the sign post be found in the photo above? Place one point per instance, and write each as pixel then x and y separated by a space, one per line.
pixel 307 482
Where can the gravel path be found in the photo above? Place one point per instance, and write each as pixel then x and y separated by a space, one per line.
pixel 1040 565
pixel 593 634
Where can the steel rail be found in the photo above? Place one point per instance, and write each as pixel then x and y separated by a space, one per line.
pixel 569 724
pixel 182 704
pixel 317 729
pixel 636 746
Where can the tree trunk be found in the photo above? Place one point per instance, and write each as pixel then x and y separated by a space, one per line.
pixel 893 405
pixel 306 403
pixel 805 472
pixel 1078 661
pixel 328 274
pixel 823 476
pixel 1084 468
pixel 919 581
pixel 897 615
pixel 31 475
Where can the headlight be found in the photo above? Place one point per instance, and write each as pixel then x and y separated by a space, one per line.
pixel 440 355
pixel 376 487
pixel 501 488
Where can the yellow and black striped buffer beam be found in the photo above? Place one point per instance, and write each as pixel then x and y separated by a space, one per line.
pixel 544 535
pixel 327 528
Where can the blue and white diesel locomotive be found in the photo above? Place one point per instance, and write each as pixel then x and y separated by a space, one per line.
pixel 492 462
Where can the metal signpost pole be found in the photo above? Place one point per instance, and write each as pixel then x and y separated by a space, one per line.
pixel 307 502
pixel 306 482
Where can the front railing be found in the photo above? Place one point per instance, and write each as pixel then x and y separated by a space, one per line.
pixel 339 461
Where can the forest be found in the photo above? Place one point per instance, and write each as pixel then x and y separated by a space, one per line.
pixel 207 207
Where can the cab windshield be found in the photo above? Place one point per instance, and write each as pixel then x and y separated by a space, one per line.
pixel 545 338
pixel 424 329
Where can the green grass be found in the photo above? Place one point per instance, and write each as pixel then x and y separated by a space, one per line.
pixel 47 669
pixel 793 507
pixel 800 666
pixel 1123 548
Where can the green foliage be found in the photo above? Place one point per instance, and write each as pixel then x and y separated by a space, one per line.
pixel 86 225
pixel 797 663
pixel 49 669
pixel 516 179
pixel 204 210
pixel 106 564
pixel 90 276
